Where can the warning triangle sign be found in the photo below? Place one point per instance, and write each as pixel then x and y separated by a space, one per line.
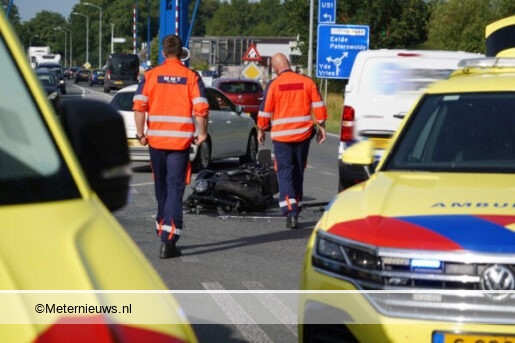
pixel 252 54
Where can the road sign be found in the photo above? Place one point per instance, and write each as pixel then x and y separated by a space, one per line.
pixel 119 40
pixel 251 54
pixel 251 71
pixel 326 11
pixel 337 47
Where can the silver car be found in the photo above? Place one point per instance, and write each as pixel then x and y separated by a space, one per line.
pixel 231 133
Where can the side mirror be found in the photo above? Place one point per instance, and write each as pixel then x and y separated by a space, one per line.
pixel 239 109
pixel 97 134
pixel 358 163
pixel 361 153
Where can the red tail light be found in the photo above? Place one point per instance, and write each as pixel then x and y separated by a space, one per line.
pixel 347 122
pixel 408 54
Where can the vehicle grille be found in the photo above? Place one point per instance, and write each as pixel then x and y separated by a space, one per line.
pixel 423 284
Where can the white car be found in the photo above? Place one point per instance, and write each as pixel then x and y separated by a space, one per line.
pixel 231 133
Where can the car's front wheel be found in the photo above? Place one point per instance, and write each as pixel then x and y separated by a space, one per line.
pixel 252 150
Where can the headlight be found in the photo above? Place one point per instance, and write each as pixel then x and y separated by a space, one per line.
pixel 363 259
pixel 346 258
pixel 200 186
pixel 329 249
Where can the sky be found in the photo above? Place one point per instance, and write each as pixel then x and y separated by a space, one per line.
pixel 29 8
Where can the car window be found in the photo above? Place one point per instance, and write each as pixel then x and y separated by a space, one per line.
pixel 218 101
pixel 235 87
pixel 251 88
pixel 31 167
pixel 123 101
pixel 56 69
pixel 124 63
pixel 226 87
pixel 462 132
pixel 46 80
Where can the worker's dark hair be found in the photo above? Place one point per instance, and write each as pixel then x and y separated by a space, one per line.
pixel 172 46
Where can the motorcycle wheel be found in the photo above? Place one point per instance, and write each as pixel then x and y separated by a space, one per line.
pixel 247 199
pixel 226 210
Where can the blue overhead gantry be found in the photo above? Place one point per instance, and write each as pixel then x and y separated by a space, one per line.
pixel 173 19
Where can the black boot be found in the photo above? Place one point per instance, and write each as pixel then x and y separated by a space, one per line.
pixel 292 222
pixel 295 222
pixel 168 250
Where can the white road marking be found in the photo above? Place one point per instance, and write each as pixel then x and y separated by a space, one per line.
pixel 142 184
pixel 275 306
pixel 236 314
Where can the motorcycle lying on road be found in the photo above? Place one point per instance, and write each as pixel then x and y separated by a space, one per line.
pixel 248 188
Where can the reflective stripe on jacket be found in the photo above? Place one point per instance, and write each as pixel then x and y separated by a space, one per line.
pixel 287 107
pixel 171 94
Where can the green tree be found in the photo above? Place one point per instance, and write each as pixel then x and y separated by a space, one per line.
pixel 205 12
pixel 231 19
pixel 393 23
pixel 267 22
pixel 43 25
pixel 297 14
pixel 460 25
pixel 409 29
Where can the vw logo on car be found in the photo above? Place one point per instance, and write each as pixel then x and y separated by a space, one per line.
pixel 497 278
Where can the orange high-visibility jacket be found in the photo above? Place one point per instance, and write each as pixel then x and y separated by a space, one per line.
pixel 171 94
pixel 289 102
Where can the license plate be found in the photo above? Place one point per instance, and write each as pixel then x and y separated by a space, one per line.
pixel 447 337
pixel 118 82
pixel 379 143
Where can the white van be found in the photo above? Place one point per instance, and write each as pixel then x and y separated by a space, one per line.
pixel 383 85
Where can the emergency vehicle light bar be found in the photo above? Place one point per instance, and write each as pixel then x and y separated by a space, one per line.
pixel 487 62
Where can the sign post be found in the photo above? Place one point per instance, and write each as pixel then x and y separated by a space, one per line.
pixel 337 47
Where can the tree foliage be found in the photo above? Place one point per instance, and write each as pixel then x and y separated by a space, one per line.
pixel 435 24
pixel 460 24
pixel 244 18
pixel 204 14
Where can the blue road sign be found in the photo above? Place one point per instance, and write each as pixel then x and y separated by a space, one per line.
pixel 326 11
pixel 337 47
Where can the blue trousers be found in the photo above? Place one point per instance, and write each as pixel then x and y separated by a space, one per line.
pixel 291 161
pixel 169 168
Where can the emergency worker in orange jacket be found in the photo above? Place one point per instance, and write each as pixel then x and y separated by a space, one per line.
pixel 171 98
pixel 294 111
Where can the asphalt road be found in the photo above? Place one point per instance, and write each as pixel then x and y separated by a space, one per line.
pixel 251 252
